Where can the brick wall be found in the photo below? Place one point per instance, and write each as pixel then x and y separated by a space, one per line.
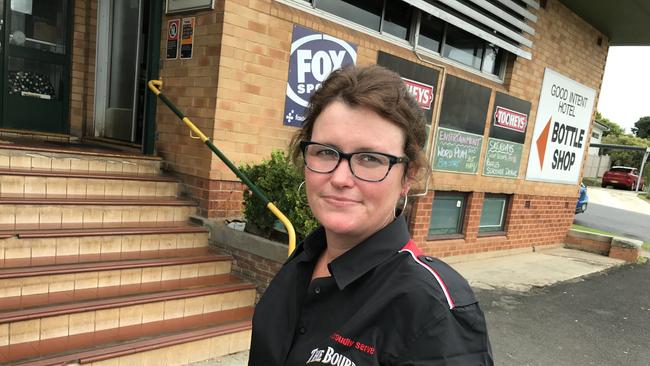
pixel 254 268
pixel 82 93
pixel 191 84
pixel 253 69
pixel 532 221
pixel 234 89
pixel 217 198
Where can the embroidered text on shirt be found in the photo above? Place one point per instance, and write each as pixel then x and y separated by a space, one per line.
pixel 329 357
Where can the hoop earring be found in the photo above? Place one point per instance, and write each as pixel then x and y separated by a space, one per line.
pixel 300 187
pixel 303 201
pixel 406 199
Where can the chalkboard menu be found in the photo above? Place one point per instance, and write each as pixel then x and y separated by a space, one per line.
pixel 502 158
pixel 464 105
pixel 457 151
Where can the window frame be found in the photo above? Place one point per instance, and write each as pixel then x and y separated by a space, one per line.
pixel 504 215
pixel 311 6
pixel 462 222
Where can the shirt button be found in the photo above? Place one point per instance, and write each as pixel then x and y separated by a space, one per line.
pixel 428 259
pixel 317 290
pixel 302 330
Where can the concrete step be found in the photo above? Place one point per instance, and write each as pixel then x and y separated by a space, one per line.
pixel 50 243
pixel 38 183
pixel 53 213
pixel 33 157
pixel 106 320
pixel 47 276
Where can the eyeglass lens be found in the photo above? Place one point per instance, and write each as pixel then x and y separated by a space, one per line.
pixel 364 165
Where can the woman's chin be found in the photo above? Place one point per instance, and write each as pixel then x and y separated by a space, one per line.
pixel 341 225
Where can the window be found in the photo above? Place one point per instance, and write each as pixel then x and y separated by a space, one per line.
pixel 397 19
pixel 492 59
pixel 363 12
pixel 463 47
pixel 447 213
pixel 431 31
pixel 493 216
pixel 595 135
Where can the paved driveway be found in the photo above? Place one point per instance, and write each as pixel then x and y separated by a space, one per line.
pixel 616 198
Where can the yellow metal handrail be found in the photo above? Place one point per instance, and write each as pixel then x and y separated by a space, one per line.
pixel 195 132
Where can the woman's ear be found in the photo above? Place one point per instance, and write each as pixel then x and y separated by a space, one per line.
pixel 406 187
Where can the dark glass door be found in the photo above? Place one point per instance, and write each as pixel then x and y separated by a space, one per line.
pixel 36 65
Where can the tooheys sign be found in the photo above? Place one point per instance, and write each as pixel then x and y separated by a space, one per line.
pixel 313 57
pixel 561 125
pixel 422 93
pixel 512 120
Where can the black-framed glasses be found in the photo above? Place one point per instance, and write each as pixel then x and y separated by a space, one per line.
pixel 369 166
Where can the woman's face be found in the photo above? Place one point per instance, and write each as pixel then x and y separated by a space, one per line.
pixel 342 203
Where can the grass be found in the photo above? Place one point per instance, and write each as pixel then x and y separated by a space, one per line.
pixel 591 230
pixel 644 196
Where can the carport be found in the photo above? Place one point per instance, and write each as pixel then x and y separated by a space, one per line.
pixel 645 150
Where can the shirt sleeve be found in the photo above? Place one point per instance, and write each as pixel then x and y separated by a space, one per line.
pixel 458 338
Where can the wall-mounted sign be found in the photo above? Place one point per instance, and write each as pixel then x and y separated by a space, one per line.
pixel 512 120
pixel 313 57
pixel 563 117
pixel 457 151
pixel 187 37
pixel 502 158
pixel 173 29
pixel 177 6
pixel 509 118
pixel 507 135
pixel 422 93
pixel 421 81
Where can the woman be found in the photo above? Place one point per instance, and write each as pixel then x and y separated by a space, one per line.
pixel 357 291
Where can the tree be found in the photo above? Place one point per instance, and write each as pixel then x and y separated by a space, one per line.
pixel 614 128
pixel 642 127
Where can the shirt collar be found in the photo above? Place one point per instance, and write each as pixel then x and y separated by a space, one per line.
pixel 364 256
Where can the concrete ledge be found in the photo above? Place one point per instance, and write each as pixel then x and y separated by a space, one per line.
pixel 240 240
pixel 590 236
pixel 626 243
pixel 614 247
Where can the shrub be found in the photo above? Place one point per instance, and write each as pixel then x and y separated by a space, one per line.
pixel 279 180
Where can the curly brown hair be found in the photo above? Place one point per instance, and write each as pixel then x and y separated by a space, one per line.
pixel 378 89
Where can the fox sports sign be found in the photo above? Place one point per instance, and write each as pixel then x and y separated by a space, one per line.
pixel 313 57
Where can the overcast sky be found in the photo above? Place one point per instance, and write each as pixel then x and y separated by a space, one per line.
pixel 625 93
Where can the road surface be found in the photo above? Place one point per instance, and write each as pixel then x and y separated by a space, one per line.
pixel 602 320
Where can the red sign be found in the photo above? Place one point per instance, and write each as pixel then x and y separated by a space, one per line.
pixel 507 118
pixel 423 93
pixel 172 29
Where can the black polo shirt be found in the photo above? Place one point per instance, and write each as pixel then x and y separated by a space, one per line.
pixel 385 304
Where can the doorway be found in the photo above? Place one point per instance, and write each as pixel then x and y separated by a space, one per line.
pixel 35 64
pixel 123 28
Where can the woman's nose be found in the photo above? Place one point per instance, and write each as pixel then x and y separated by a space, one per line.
pixel 342 175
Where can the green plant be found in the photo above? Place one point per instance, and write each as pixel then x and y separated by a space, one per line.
pixel 279 180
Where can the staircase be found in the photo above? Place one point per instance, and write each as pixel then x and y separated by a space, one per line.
pixel 99 265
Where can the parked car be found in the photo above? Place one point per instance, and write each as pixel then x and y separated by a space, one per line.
pixel 583 199
pixel 622 176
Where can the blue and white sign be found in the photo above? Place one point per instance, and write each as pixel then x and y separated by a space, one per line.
pixel 313 57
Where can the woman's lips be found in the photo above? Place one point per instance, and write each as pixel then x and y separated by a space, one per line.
pixel 339 201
